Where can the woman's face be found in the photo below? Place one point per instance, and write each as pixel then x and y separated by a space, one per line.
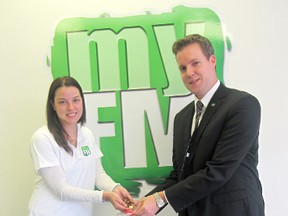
pixel 68 105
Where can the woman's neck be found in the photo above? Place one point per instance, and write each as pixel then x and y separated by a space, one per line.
pixel 71 135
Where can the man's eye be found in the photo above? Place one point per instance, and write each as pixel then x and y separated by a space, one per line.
pixel 182 69
pixel 195 63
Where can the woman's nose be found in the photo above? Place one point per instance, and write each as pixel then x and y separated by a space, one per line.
pixel 70 105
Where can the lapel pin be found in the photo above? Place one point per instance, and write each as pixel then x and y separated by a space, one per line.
pixel 213 104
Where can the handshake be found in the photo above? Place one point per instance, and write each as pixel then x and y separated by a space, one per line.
pixel 146 206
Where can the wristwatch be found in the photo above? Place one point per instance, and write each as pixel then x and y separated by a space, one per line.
pixel 159 201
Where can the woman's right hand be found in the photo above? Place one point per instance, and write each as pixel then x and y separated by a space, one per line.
pixel 116 201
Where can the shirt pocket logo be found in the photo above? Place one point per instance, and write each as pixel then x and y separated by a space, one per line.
pixel 85 150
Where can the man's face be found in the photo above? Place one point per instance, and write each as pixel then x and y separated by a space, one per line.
pixel 198 73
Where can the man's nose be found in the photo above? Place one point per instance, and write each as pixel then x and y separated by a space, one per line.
pixel 190 71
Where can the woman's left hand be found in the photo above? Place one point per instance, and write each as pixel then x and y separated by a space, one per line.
pixel 123 194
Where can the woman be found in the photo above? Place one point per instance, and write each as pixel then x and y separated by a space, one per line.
pixel 67 160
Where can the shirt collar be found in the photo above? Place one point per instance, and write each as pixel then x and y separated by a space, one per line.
pixel 206 99
pixel 80 135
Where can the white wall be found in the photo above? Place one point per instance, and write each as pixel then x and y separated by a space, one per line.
pixel 257 64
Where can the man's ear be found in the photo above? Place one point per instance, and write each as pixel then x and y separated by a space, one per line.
pixel 212 59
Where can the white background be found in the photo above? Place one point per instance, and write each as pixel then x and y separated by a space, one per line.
pixel 257 64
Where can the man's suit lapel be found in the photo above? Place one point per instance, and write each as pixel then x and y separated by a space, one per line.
pixel 188 122
pixel 212 107
pixel 215 102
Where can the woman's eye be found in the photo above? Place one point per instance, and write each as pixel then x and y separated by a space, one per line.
pixel 76 100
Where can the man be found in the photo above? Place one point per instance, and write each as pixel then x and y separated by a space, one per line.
pixel 215 154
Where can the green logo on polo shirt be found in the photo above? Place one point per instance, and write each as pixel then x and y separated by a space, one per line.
pixel 85 150
pixel 132 84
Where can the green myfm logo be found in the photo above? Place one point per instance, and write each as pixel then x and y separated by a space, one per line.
pixel 132 85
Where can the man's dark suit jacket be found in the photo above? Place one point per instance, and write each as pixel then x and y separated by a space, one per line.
pixel 221 177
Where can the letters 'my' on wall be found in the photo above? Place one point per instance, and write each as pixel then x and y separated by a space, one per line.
pixel 130 79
